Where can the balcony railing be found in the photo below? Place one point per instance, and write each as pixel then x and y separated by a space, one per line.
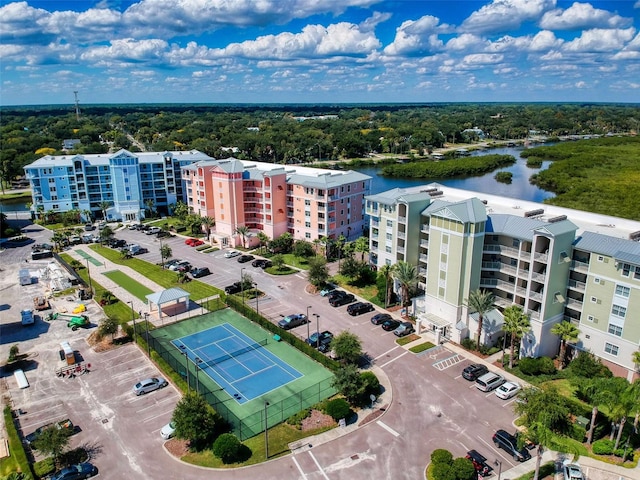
pixel 538 277
pixel 580 266
pixel 375 223
pixel 541 257
pixel 424 258
pixel 402 235
pixel 575 304
pixel 424 243
pixel 576 285
pixel 402 219
pixel 424 227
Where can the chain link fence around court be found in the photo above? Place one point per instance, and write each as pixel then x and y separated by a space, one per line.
pixel 253 423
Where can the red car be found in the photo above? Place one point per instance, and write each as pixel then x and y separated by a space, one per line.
pixel 193 242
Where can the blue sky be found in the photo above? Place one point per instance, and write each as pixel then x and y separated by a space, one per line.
pixel 318 51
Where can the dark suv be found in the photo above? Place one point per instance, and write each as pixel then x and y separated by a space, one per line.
pixel 474 371
pixel 509 444
pixel 233 288
pixel 340 300
pixel 321 341
pixel 359 308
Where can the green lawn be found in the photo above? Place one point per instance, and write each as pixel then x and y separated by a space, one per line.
pixel 155 273
pixel 129 284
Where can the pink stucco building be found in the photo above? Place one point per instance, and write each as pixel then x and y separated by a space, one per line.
pixel 307 202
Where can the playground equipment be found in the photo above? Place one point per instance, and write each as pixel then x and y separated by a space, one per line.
pixel 73 321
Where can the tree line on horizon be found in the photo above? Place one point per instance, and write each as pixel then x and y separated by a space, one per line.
pixel 291 133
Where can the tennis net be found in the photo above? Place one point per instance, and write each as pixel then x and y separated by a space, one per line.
pixel 235 353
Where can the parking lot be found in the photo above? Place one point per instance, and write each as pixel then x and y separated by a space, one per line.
pixel 433 406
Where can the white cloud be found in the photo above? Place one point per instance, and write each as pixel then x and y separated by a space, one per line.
pixel 127 50
pixel 417 37
pixel 466 42
pixel 582 15
pixel 505 15
pixel 19 21
pixel 600 40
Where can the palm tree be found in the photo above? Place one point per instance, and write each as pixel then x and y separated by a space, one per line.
pixel 480 301
pixel 621 398
pixel 567 332
pixel 58 239
pixel 362 246
pixel 517 324
pixel 208 223
pixel 104 206
pixel 407 275
pixel 386 270
pixel 635 358
pixel 165 253
pixel 324 241
pixel 150 204
pixel 263 238
pixel 87 215
pixel 243 231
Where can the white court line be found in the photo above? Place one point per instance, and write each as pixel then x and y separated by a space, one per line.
pixel 388 351
pixel 319 467
pixel 388 428
pixel 299 467
pixel 394 359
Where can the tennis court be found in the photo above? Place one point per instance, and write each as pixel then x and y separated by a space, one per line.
pixel 271 379
pixel 237 363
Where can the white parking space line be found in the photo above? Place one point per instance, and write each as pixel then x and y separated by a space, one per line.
pixel 170 412
pixel 318 464
pixel 394 359
pixel 387 352
pixel 497 451
pixel 293 457
pixel 509 402
pixel 388 428
pixel 156 404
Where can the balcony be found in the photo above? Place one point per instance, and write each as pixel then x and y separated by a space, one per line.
pixel 538 277
pixel 541 257
pixel 400 249
pixel 537 296
pixel 533 314
pixel 574 304
pixel 332 209
pixel 402 219
pixel 576 285
pixel 290 204
pixel 580 266
pixel 422 271
pixel 375 223
pixel 402 235
pixel 424 243
pixel 423 258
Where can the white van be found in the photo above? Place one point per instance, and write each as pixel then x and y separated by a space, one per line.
pixel 489 381
pixel 134 248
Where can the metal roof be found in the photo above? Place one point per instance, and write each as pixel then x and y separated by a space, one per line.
pixel 168 295
pixel 471 210
pixel 618 248
pixel 49 161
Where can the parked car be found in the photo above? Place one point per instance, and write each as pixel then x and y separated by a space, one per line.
pixel 117 243
pixel 359 308
pixel 489 381
pixel 405 328
pixel 75 240
pixel 76 472
pixel 572 471
pixel 164 233
pixel 380 318
pixel 321 341
pixel 474 371
pixel 149 385
pixel 262 263
pixel 329 287
pixel 193 242
pixel 390 324
pixel 342 300
pixel 184 267
pixel 200 272
pixel 132 226
pixel 292 321
pixel 89 227
pixel 479 463
pixel 153 230
pixel 177 266
pixel 168 430
pixel 231 254
pixel 508 390
pixel 245 258
pixel 233 288
pixel 509 443
pixel 335 293
pixel 102 225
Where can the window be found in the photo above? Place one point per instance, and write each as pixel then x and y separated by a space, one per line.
pixel 615 330
pixel 600 258
pixel 390 223
pixel 307 235
pixel 445 239
pixel 618 311
pixel 389 236
pixel 388 249
pixel 515 243
pixel 307 224
pixel 591 318
pixel 611 349
pixel 622 291
pixel 307 202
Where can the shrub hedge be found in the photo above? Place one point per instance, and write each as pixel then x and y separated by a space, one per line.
pixel 15 445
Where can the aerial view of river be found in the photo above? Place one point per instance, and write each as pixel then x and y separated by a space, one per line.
pixel 519 188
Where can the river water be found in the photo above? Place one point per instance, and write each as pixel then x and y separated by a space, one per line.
pixel 519 188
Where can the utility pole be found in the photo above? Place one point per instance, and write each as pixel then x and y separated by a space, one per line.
pixel 75 94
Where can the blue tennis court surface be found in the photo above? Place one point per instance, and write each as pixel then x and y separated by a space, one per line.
pixel 239 364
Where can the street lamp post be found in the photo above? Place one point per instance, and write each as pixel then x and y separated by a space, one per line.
pixel 266 431
pixel 197 363
pixel 242 283
pixel 318 329
pixel 308 322
pixel 499 463
pixel 146 322
pixel 504 345
pixel 183 352
pixel 133 318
